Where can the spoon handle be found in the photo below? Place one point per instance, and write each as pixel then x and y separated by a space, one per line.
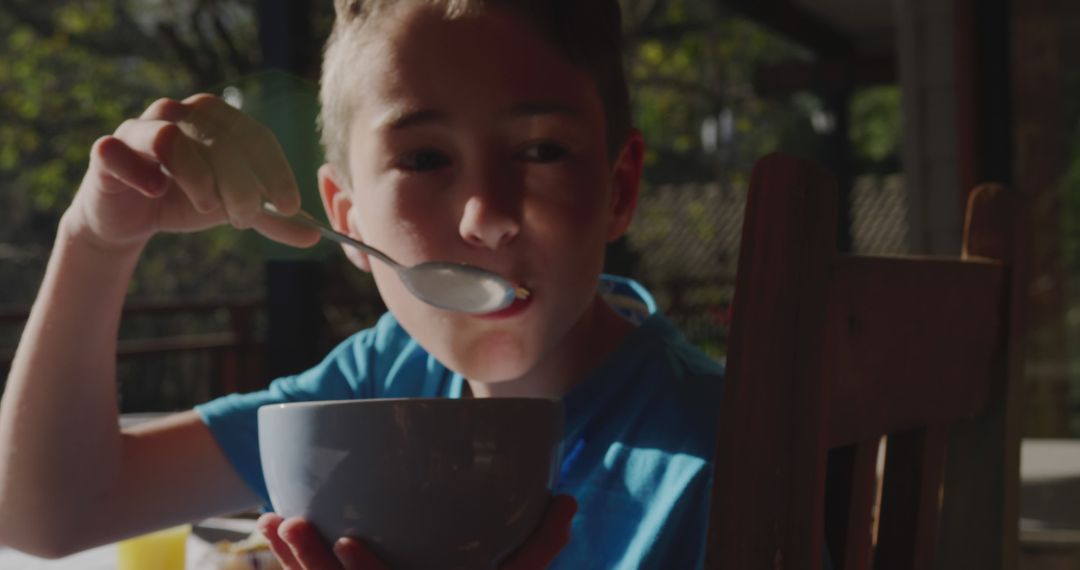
pixel 329 233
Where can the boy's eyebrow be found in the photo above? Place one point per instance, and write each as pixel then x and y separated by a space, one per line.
pixel 404 118
pixel 399 119
pixel 533 108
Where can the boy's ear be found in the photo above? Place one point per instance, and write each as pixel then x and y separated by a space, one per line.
pixel 337 200
pixel 625 184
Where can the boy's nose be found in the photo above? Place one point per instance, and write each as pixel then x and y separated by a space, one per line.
pixel 486 223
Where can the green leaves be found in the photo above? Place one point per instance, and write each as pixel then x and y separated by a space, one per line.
pixel 876 124
pixel 72 73
pixel 691 69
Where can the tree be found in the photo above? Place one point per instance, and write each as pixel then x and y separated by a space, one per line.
pixel 691 67
pixel 71 74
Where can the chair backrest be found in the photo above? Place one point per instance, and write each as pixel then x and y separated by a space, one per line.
pixel 831 353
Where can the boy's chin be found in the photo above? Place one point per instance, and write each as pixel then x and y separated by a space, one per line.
pixel 493 369
pixel 493 363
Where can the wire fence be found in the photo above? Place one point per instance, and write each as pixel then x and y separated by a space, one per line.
pixel 685 244
pixel 687 239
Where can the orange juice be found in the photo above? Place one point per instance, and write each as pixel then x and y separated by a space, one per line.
pixel 161 550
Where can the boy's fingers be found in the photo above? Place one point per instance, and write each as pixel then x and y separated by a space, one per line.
pixel 165 109
pixel 118 160
pixel 211 113
pixel 353 555
pixel 260 149
pixel 166 143
pixel 285 232
pixel 268 525
pixel 270 166
pixel 237 186
pixel 306 545
pixel 222 133
pixel 219 133
pixel 239 159
pixel 549 539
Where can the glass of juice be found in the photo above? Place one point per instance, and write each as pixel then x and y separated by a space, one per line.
pixel 161 550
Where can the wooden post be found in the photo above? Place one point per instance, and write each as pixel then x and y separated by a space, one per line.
pixel 982 482
pixel 294 295
pixel 1039 164
pixel 777 335
pixel 248 369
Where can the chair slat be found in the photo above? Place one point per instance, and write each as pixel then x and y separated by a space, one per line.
pixel 982 471
pixel 827 353
pixel 849 502
pixel 943 312
pixel 914 461
pixel 773 390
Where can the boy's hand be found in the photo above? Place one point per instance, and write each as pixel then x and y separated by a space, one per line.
pixel 297 546
pixel 185 166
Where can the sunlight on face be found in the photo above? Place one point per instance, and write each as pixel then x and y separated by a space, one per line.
pixel 474 141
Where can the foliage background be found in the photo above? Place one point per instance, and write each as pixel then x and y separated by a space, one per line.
pixel 73 71
pixel 71 74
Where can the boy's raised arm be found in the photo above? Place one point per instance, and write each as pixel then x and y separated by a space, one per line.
pixel 69 478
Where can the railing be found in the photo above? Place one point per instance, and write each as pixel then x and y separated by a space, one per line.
pixel 172 354
pixel 699 308
pixel 225 349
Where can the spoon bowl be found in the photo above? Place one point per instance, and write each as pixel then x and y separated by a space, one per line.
pixel 451 286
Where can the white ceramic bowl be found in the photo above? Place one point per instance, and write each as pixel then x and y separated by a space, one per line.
pixel 426 483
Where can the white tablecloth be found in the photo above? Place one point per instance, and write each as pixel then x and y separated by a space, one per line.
pixel 199 550
pixel 101 558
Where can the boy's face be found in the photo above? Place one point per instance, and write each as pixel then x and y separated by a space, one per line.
pixel 475 141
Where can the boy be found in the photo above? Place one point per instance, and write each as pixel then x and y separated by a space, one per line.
pixel 491 133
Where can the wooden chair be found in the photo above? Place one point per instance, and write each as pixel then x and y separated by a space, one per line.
pixel 829 353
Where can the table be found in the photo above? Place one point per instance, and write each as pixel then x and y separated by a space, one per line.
pixel 1050 519
pixel 199 550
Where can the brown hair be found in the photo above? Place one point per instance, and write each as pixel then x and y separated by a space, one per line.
pixel 587 32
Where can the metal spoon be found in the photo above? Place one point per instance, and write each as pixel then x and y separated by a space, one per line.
pixel 451 286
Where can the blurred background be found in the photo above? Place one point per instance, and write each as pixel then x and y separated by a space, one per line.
pixel 716 85
pixel 909 103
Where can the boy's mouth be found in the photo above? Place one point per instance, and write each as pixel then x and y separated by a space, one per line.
pixel 518 306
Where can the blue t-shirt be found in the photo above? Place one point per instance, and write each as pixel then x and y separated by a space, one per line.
pixel 640 430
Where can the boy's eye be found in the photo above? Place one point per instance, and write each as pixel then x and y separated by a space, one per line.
pixel 544 152
pixel 423 161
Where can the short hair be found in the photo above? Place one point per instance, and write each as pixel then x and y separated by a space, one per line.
pixel 587 32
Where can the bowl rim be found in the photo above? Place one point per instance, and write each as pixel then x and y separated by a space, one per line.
pixel 388 401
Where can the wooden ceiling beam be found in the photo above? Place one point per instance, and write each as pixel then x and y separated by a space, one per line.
pixel 797 24
pixel 829 74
